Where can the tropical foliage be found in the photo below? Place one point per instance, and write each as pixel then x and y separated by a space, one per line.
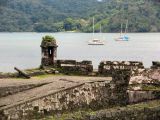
pixel 76 15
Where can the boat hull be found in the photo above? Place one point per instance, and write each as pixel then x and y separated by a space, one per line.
pixel 95 44
pixel 122 39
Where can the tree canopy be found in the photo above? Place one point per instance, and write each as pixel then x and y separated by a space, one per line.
pixel 76 15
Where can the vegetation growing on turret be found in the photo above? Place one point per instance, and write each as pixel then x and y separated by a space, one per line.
pixel 48 41
pixel 48 38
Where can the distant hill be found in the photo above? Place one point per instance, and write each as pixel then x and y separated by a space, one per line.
pixel 76 15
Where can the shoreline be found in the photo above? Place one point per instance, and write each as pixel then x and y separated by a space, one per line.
pixel 85 32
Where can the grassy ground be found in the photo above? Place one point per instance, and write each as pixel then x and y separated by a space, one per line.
pixel 46 76
pixel 145 87
pixel 71 115
pixel 151 87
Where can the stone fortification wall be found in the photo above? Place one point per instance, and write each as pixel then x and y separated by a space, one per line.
pixel 107 67
pixel 155 65
pixel 140 96
pixel 82 68
pixel 89 95
pixel 119 85
pixel 143 111
pixel 72 66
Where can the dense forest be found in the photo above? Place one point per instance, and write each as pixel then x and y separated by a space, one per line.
pixel 76 15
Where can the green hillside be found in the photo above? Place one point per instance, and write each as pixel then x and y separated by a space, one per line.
pixel 76 15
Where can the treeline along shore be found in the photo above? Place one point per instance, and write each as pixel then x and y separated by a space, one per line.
pixel 71 15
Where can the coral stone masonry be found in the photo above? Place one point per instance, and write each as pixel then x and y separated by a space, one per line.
pixel 65 94
pixel 106 67
pixel 49 51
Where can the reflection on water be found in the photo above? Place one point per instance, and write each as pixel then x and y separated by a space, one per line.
pixel 23 49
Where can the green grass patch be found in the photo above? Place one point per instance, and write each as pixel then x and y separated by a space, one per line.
pixel 46 76
pixel 78 115
pixel 150 87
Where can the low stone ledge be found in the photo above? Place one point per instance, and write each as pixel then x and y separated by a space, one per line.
pixel 31 72
pixel 8 75
pixel 143 111
pixel 143 92
pixel 75 67
pixel 137 96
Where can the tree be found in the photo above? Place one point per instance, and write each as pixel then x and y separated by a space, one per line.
pixel 69 24
pixel 3 2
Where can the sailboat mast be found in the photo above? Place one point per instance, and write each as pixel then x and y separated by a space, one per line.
pixel 121 28
pixel 93 27
pixel 100 31
pixel 126 27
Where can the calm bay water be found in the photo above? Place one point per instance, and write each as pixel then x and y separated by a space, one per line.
pixel 23 49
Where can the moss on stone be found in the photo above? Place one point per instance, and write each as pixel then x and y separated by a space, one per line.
pixel 77 115
pixel 136 111
pixel 48 41
pixel 48 38
pixel 150 87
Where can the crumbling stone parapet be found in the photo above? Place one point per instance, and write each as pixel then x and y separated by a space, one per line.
pixel 155 65
pixel 107 67
pixel 72 66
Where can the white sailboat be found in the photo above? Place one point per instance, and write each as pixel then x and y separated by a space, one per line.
pixel 123 37
pixel 94 40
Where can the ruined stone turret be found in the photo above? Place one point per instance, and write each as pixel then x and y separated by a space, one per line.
pixel 49 51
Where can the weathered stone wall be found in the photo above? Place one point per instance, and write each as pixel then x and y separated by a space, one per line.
pixel 72 66
pixel 91 95
pixel 48 50
pixel 48 55
pixel 81 68
pixel 119 85
pixel 106 67
pixel 147 111
pixel 140 96
pixel 155 64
